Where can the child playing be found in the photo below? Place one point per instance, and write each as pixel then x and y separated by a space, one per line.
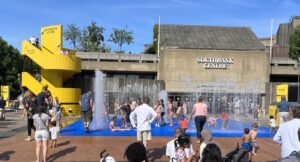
pixel 246 140
pixel 183 123
pixel 212 121
pixel 259 114
pixel 225 119
pixel 54 132
pixel 272 124
pixel 181 143
pixel 113 128
pixel 253 134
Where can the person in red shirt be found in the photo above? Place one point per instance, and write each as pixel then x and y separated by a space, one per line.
pixel 225 119
pixel 183 122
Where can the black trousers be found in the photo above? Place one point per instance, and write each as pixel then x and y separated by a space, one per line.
pixel 199 122
pixel 30 126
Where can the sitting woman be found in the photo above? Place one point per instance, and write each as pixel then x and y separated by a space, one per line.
pixel 113 128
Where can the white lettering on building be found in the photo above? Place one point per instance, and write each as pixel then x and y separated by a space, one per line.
pixel 215 63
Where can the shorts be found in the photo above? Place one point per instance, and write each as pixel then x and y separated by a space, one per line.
pixel 42 135
pixel 254 144
pixel 86 116
pixel 162 114
pixel 144 135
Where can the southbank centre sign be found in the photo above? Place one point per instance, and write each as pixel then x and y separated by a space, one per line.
pixel 215 63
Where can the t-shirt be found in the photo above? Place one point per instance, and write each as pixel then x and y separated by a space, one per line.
pixel 2 103
pixel 283 106
pixel 54 131
pixel 85 100
pixel 40 98
pixel 171 151
pixel 40 121
pixel 183 123
pixel 200 109
pixel 272 123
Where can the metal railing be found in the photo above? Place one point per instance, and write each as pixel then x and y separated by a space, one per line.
pixel 117 57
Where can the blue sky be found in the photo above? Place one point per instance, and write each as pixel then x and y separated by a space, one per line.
pixel 22 18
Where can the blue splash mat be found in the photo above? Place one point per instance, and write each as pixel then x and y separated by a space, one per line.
pixel 235 129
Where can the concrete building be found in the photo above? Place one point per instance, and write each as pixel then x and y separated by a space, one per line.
pixel 211 61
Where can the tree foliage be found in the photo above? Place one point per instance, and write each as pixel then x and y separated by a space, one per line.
pixel 10 66
pixel 294 48
pixel 73 34
pixel 153 49
pixel 121 36
pixel 92 37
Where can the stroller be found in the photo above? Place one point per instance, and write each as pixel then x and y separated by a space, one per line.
pixel 240 154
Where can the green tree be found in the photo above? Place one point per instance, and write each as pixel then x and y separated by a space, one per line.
pixel 105 48
pixel 153 49
pixel 10 66
pixel 92 37
pixel 72 34
pixel 294 48
pixel 121 36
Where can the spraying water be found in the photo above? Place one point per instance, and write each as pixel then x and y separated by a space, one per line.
pixel 99 121
pixel 163 94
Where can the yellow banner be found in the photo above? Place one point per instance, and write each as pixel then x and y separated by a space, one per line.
pixel 282 90
pixel 5 93
pixel 272 112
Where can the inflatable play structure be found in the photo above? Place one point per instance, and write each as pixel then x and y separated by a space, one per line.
pixel 57 65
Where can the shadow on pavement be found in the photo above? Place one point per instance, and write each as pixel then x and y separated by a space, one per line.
pixel 6 155
pixel 157 153
pixel 63 143
pixel 61 153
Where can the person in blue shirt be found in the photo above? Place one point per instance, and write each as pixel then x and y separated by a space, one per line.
pixel 86 105
pixel 283 108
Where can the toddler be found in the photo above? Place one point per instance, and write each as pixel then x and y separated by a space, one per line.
pixel 272 124
pixel 54 132
pixel 183 123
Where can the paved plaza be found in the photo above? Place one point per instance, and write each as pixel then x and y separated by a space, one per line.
pixel 14 148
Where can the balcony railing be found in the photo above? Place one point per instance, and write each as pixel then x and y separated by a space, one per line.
pixel 116 57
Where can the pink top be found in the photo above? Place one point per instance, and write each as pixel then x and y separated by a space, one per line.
pixel 157 108
pixel 200 109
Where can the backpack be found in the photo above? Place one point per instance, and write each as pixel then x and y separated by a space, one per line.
pixel 293 157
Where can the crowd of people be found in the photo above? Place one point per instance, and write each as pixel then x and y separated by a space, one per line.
pixel 180 149
pixel 43 114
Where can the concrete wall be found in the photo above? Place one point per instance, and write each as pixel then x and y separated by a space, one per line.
pixel 181 71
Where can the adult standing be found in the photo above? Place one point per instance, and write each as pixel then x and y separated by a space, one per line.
pixel 283 108
pixel 287 134
pixel 200 111
pixel 170 111
pixel 157 108
pixel 86 105
pixel 237 106
pixel 2 110
pixel 29 111
pixel 41 122
pixel 141 119
pixel 42 98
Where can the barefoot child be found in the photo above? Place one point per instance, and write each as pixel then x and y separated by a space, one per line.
pixel 183 123
pixel 253 134
pixel 272 124
pixel 246 140
pixel 113 128
pixel 54 132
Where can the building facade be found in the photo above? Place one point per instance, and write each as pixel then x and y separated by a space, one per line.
pixel 210 61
